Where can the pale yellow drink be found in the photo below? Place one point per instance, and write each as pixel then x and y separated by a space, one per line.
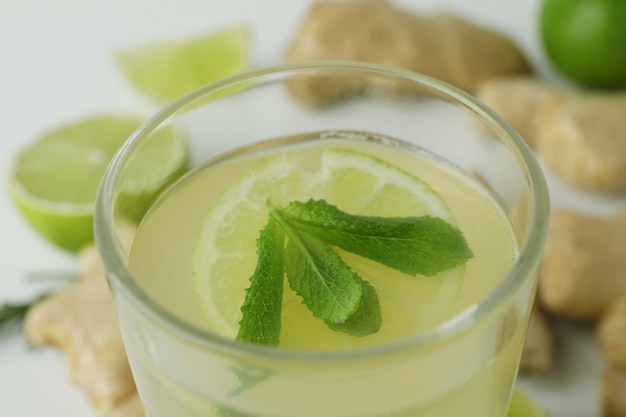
pixel 467 374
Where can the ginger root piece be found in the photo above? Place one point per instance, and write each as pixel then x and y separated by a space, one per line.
pixel 131 407
pixel 579 135
pixel 583 269
pixel 81 320
pixel 611 335
pixel 586 142
pixel 523 102
pixel 613 388
pixel 442 45
pixel 538 350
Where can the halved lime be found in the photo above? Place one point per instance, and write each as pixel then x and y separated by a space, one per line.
pixel 167 71
pixel 158 160
pixel 225 254
pixel 54 181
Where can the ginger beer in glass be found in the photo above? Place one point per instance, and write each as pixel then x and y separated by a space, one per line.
pixel 448 344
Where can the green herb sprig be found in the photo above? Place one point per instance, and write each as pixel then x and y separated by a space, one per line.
pixel 12 314
pixel 328 286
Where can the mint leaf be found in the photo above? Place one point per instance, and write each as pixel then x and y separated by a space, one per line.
pixel 414 245
pixel 316 272
pixel 367 319
pixel 327 285
pixel 262 305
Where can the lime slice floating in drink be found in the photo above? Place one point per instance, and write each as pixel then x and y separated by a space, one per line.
pixel 167 71
pixel 54 181
pixel 225 253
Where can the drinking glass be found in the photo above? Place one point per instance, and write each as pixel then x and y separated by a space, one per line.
pixel 466 364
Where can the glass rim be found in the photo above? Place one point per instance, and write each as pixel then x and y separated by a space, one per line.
pixel 529 255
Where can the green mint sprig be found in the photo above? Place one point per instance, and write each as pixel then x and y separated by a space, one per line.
pixel 329 288
pixel 12 314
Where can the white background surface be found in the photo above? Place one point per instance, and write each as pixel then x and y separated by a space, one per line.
pixel 56 66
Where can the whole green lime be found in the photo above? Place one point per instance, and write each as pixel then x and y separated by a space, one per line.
pixel 586 40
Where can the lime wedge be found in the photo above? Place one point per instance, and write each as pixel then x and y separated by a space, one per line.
pixel 54 181
pixel 225 252
pixel 523 406
pixel 167 71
